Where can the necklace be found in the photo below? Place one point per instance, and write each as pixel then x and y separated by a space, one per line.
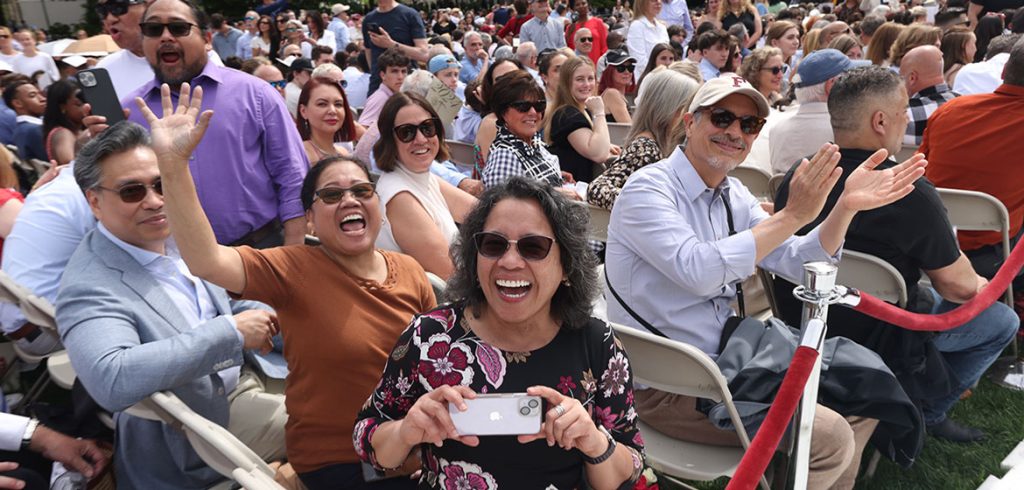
pixel 321 151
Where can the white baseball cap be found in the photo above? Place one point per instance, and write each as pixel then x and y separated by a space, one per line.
pixel 727 84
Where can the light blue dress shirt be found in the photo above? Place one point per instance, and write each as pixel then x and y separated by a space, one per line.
pixel 243 47
pixel 470 70
pixel 707 70
pixel 340 30
pixel 670 256
pixel 675 12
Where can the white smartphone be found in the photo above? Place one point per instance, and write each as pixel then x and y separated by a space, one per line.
pixel 499 414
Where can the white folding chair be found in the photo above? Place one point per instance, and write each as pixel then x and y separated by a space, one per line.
pixel 679 368
pixel 872 275
pixel 617 133
pixel 599 219
pixel 217 447
pixel 438 284
pixel 775 183
pixel 756 180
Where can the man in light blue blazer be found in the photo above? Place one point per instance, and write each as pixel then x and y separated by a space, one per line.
pixel 135 321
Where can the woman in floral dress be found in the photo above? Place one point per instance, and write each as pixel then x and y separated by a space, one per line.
pixel 525 281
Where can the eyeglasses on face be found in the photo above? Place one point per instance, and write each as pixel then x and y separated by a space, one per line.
pixel 251 18
pixel 407 132
pixel 156 29
pixel 334 195
pixel 136 191
pixel 264 22
pixel 623 68
pixel 586 39
pixel 116 8
pixel 279 83
pixel 531 247
pixel 722 118
pixel 524 106
pixel 290 30
pixel 774 69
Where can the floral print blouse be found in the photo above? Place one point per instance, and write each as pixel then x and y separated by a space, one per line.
pixel 603 191
pixel 439 348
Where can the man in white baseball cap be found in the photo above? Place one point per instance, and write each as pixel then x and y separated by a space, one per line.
pixel 684 234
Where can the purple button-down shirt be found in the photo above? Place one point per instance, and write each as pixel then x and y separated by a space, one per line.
pixel 249 167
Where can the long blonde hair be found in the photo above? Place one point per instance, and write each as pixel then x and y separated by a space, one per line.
pixel 724 8
pixel 563 94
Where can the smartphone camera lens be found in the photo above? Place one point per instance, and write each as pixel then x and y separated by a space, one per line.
pixel 524 410
pixel 533 403
pixel 87 79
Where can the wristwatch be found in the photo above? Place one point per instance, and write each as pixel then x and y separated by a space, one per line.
pixel 607 452
pixel 30 430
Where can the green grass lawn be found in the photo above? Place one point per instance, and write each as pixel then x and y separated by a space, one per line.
pixel 942 465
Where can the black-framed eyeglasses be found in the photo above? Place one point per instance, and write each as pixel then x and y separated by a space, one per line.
pixel 136 191
pixel 407 132
pixel 774 69
pixel 116 8
pixel 334 195
pixel 531 247
pixel 623 68
pixel 722 118
pixel 586 39
pixel 178 28
pixel 279 84
pixel 524 106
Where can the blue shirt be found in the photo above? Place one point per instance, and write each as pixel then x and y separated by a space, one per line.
pixel 243 47
pixel 470 69
pixel 225 44
pixel 340 30
pixel 28 135
pixel 707 70
pixel 8 123
pixel 670 256
pixel 675 12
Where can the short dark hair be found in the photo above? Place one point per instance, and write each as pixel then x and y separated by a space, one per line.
pixel 713 38
pixel 385 150
pixel 1013 71
pixel 217 21
pixel 513 87
pixel 487 85
pixel 320 49
pixel 318 168
pixel 570 222
pixel 201 20
pixel 391 57
pixel 11 90
pixel 853 88
pixel 119 138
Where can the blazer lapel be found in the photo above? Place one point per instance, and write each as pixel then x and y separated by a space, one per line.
pixel 139 280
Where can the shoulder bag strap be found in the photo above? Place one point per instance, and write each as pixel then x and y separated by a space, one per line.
pixel 629 310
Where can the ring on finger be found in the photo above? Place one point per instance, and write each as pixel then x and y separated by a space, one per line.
pixel 559 410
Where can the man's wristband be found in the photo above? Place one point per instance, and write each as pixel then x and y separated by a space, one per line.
pixel 30 430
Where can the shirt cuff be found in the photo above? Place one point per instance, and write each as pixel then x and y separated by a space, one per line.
pixel 811 249
pixel 238 333
pixel 12 429
pixel 290 209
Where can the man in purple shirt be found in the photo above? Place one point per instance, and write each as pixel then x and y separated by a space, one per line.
pixel 249 167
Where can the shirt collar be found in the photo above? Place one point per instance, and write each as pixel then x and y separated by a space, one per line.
pixel 142 256
pixel 210 71
pixel 707 64
pixel 693 186
pixel 1008 89
pixel 934 89
pixel 29 119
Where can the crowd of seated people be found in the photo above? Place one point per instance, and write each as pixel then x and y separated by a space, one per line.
pixel 282 234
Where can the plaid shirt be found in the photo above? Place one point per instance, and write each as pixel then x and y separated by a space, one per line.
pixel 921 106
pixel 510 156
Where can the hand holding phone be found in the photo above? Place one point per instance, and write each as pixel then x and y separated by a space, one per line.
pixel 498 414
pixel 567 424
pixel 429 421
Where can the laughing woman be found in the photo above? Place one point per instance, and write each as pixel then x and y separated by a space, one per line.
pixel 377 291
pixel 420 209
pixel 520 322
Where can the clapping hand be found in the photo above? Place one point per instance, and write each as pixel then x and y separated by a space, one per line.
pixel 176 134
pixel 867 188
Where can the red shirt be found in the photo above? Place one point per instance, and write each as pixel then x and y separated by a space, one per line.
pixel 514 25
pixel 973 142
pixel 7 195
pixel 597 28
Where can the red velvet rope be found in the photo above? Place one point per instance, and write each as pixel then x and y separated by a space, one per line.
pixel 874 307
pixel 760 452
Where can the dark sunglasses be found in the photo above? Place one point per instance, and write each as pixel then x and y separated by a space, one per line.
pixel 117 8
pixel 524 106
pixel 407 132
pixel 178 28
pixel 586 39
pixel 282 21
pixel 623 68
pixel 334 195
pixel 264 22
pixel 291 29
pixel 722 119
pixel 530 247
pixel 775 69
pixel 135 192
pixel 279 84
pixel 251 18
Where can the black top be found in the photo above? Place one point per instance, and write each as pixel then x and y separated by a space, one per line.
pixel 402 23
pixel 747 18
pixel 912 234
pixel 563 123
pixel 439 348
pixel 997 5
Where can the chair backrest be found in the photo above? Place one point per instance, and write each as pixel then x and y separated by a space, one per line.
pixel 978 211
pixel 255 480
pixel 676 367
pixel 599 219
pixel 11 291
pixel 775 183
pixel 39 311
pixel 756 181
pixel 438 284
pixel 461 153
pixel 872 275
pixel 217 447
pixel 617 133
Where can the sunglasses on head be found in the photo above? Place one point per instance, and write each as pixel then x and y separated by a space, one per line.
pixel 279 84
pixel 407 132
pixel 524 106
pixel 722 119
pixel 334 195
pixel 531 247
pixel 623 68
pixel 116 8
pixel 774 69
pixel 178 28
pixel 586 39
pixel 135 192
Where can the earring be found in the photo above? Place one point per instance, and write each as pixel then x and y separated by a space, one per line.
pixel 566 283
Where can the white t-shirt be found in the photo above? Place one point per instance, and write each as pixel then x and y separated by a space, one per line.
pixel 40 62
pixel 127 71
pixel 357 84
pixel 9 58
pixel 263 46
pixel 292 91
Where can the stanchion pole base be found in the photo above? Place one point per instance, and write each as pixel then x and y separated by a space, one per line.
pixel 1008 372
